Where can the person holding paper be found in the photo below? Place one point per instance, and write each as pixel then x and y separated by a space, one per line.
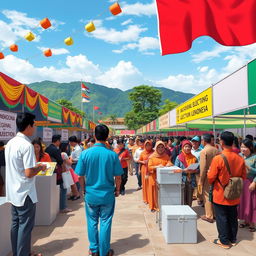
pixel 158 159
pixel 185 160
pixel 21 169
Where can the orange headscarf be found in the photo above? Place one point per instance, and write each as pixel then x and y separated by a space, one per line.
pixel 156 154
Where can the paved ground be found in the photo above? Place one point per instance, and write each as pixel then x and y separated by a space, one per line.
pixel 134 233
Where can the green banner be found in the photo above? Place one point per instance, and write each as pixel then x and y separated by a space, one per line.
pixel 157 124
pixel 252 82
pixel 54 112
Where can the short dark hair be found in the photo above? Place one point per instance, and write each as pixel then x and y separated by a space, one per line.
pixel 64 147
pixel 249 136
pixel 73 139
pixel 249 144
pixel 23 120
pixel 101 132
pixel 228 138
pixel 92 140
pixel 120 141
pixel 207 137
pixel 142 140
pixel 55 138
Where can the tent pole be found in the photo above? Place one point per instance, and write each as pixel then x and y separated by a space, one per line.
pixel 214 130
pixel 244 125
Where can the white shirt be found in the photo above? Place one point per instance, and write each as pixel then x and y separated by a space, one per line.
pixel 76 153
pixel 19 155
pixel 137 154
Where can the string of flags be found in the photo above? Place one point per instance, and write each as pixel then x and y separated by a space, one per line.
pixel 45 23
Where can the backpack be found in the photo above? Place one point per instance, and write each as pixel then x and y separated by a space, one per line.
pixel 234 188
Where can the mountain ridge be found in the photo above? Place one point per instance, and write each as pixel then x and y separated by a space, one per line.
pixel 110 100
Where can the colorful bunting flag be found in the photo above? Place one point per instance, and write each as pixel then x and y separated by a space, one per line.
pixel 96 108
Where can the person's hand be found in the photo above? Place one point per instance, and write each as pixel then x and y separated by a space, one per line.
pixel 177 171
pixel 200 189
pixel 159 166
pixel 44 167
pixel 169 165
pixel 252 186
pixel 117 193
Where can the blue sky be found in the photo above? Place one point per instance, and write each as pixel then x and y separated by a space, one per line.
pixel 122 52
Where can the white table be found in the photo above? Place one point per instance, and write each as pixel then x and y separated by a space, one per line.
pixel 48 194
pixel 5 227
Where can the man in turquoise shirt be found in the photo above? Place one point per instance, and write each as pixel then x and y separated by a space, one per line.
pixel 102 170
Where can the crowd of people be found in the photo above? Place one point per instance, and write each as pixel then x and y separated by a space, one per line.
pixel 100 168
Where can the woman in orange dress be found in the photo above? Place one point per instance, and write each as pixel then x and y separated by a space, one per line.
pixel 143 160
pixel 158 159
pixel 41 156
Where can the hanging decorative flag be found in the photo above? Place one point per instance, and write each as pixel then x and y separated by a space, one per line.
pixel 30 36
pixel 96 108
pixel 85 88
pixel 85 100
pixel 85 96
pixel 100 113
pixel 1 56
pixel 115 9
pixel 90 27
pixel 68 41
pixel 229 22
pixel 48 53
pixel 14 47
pixel 45 23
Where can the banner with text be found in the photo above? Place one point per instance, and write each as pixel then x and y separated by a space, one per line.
pixel 64 135
pixel 198 107
pixel 54 112
pixel 47 134
pixel 164 121
pixel 7 125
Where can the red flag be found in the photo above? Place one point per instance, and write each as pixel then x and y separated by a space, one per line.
pixel 85 96
pixel 229 22
pixel 96 108
pixel 84 87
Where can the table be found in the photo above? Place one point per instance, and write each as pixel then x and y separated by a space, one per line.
pixel 48 194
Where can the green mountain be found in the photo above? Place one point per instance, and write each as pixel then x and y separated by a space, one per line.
pixel 110 100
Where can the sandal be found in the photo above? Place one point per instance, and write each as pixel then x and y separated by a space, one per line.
pixel 243 225
pixel 252 229
pixel 218 242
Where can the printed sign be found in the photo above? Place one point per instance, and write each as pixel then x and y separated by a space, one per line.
pixel 164 121
pixel 47 134
pixel 198 107
pixel 127 132
pixel 64 135
pixel 7 125
pixel 54 112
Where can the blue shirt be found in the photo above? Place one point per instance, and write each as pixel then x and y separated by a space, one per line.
pixel 99 165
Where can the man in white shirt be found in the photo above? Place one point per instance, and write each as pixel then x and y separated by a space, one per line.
pixel 21 169
pixel 136 158
pixel 76 151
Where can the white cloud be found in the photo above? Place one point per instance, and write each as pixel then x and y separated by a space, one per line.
pixel 124 76
pixel 139 9
pixel 55 51
pixel 129 21
pixel 203 69
pixel 113 36
pixel 144 45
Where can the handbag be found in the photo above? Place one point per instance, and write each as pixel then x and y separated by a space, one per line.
pixel 67 179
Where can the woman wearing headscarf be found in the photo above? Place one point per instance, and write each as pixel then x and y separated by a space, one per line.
pixel 184 160
pixel 143 161
pixel 158 159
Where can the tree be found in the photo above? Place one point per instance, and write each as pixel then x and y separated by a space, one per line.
pixel 168 106
pixel 113 118
pixel 68 104
pixel 145 106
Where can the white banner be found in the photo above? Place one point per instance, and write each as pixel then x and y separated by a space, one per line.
pixel 231 93
pixel 64 135
pixel 172 118
pixel 47 134
pixel 7 125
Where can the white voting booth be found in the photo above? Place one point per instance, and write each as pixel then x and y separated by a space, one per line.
pixel 48 194
pixel 5 227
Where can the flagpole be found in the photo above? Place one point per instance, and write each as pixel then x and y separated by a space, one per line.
pixel 81 96
pixel 93 113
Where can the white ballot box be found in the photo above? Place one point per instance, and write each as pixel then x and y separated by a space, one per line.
pixel 166 175
pixel 5 227
pixel 179 224
pixel 48 194
pixel 170 194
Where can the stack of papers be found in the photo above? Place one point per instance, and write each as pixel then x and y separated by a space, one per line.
pixel 50 168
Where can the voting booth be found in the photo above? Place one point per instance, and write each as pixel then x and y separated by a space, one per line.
pixel 5 227
pixel 179 224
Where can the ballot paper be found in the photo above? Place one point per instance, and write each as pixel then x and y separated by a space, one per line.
pixel 193 166
pixel 49 169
